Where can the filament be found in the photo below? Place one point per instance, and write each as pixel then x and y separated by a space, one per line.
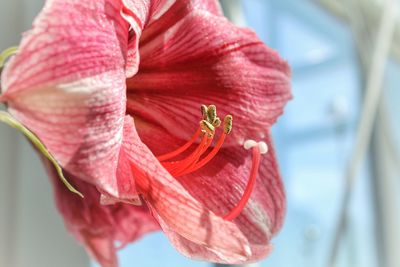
pixel 181 149
pixel 209 157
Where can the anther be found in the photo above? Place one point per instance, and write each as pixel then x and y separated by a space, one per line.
pixel 217 122
pixel 206 131
pixel 205 125
pixel 228 124
pixel 212 113
pixel 204 110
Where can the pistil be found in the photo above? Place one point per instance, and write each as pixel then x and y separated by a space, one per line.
pixel 258 149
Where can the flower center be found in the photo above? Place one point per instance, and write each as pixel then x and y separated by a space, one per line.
pixel 198 157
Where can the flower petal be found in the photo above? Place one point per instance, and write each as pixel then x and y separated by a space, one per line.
pixel 67 85
pixel 146 13
pixel 100 227
pixel 220 185
pixel 204 59
pixel 178 212
pixel 200 252
pixel 70 40
pixel 136 13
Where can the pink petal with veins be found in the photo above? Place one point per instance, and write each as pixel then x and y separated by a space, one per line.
pixel 67 85
pixel 203 58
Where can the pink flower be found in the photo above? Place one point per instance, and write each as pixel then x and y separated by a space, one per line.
pixel 109 86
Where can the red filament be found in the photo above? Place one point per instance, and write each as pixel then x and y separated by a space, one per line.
pixel 181 149
pixel 209 157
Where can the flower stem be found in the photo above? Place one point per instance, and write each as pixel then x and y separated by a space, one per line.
pixel 8 119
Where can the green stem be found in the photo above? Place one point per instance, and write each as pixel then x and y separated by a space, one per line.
pixel 8 119
pixel 6 54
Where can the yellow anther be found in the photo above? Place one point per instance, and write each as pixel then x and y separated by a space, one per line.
pixel 205 125
pixel 217 122
pixel 211 120
pixel 204 112
pixel 228 124
pixel 212 113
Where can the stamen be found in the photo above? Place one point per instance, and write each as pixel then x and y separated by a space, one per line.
pixel 211 155
pixel 217 122
pixel 186 169
pixel 204 149
pixel 228 124
pixel 212 113
pixel 206 130
pixel 235 212
pixel 170 165
pixel 182 148
pixel 206 126
pixel 204 112
pixel 176 167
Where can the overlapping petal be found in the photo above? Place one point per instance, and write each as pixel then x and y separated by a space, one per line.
pixel 197 57
pixel 142 13
pixel 100 227
pixel 220 185
pixel 67 85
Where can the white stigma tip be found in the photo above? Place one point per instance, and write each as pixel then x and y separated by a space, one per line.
pixel 249 144
pixel 263 147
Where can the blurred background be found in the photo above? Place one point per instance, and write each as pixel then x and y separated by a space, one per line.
pixel 338 144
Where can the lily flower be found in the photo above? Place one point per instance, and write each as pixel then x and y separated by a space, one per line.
pixel 112 89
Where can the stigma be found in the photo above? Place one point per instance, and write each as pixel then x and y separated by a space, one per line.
pixel 198 157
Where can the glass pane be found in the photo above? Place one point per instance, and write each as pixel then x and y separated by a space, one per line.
pixel 315 136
